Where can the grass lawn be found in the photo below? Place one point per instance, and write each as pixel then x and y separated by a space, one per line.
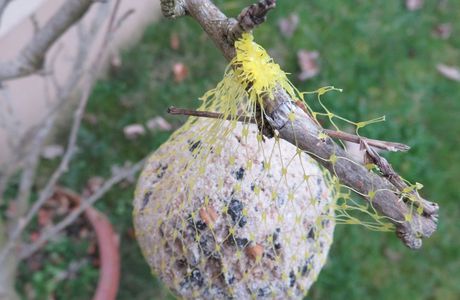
pixel 383 56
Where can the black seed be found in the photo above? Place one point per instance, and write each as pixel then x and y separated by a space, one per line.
pixel 196 277
pixel 276 242
pixel 200 225
pixel 207 244
pixel 181 263
pixel 146 199
pixel 231 279
pixel 318 181
pixel 235 210
pixel 307 267
pixel 312 233
pixel 242 242
pixel 239 174
pixel 291 279
pixel 194 145
pixel 252 186
pixel 162 171
pixel 264 292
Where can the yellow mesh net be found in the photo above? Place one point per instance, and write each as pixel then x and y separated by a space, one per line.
pixel 221 212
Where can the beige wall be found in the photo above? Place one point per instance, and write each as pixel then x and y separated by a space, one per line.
pixel 24 102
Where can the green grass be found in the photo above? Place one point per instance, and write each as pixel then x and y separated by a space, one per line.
pixel 383 56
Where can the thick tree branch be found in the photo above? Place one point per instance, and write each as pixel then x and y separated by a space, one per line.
pixel 304 133
pixel 32 56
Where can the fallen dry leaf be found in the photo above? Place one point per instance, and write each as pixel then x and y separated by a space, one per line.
pixel 287 26
pixel 52 151
pixel 392 255
pixel 44 217
pixel 174 41
pixel 450 72
pixel 443 31
pixel 180 72
pixel 308 63
pixel 133 131
pixel 158 123
pixel 414 4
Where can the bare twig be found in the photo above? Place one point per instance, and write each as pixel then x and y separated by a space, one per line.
pixel 71 145
pixel 52 231
pixel 388 172
pixel 384 145
pixel 31 57
pixel 250 17
pixel 30 169
pixel 304 133
pixel 3 5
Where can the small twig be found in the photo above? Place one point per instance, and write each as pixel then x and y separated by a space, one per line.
pixel 3 5
pixel 429 208
pixel 208 114
pixel 123 18
pixel 249 18
pixel 384 145
pixel 52 231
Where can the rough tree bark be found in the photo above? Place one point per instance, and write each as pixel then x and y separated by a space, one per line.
pixel 303 131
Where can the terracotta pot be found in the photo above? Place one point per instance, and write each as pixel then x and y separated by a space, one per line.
pixel 108 245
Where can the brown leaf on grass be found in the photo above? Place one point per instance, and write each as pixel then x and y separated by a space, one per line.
pixel 180 72
pixel 443 31
pixel 174 41
pixel 414 4
pixel 450 72
pixel 392 255
pixel 133 131
pixel 44 217
pixel 51 152
pixel 287 26
pixel 308 63
pixel 158 123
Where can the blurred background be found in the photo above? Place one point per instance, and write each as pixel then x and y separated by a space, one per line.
pixel 395 58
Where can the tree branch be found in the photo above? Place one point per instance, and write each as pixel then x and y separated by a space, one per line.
pixel 3 5
pixel 32 56
pixel 52 231
pixel 383 145
pixel 46 192
pixel 303 132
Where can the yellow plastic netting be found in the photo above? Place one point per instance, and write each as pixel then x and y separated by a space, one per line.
pixel 221 212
